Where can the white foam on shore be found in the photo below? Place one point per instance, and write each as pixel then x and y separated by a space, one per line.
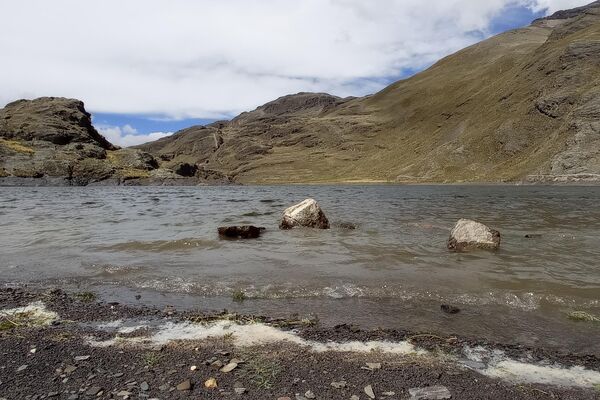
pixel 493 362
pixel 496 364
pixel 34 314
pixel 261 334
pixel 246 335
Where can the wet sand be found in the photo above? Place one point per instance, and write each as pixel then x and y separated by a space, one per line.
pixel 82 354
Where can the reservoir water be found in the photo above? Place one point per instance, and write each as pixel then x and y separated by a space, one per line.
pixel 392 271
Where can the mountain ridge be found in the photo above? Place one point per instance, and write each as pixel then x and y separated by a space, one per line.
pixel 522 106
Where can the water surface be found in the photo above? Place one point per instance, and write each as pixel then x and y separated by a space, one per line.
pixel 392 271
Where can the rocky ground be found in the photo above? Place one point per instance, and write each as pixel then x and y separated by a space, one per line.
pixel 56 361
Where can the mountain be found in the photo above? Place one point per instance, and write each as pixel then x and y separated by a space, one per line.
pixel 52 141
pixel 521 106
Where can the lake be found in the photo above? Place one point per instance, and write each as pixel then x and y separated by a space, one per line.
pixel 392 271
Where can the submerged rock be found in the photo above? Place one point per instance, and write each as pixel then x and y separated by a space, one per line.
pixel 307 214
pixel 244 231
pixel 449 309
pixel 468 234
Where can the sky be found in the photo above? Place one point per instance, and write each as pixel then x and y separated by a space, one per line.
pixel 147 68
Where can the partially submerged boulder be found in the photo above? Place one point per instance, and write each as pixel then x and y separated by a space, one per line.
pixel 468 234
pixel 307 214
pixel 244 231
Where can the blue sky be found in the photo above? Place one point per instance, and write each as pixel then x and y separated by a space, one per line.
pixel 147 68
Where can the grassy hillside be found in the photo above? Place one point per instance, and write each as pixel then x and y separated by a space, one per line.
pixel 523 105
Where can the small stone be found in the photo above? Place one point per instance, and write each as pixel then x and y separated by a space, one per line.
pixel 354 397
pixel 52 394
pixel 69 369
pixel 193 368
pixel 210 383
pixel 32 351
pixel 22 368
pixel 124 393
pixel 229 367
pixel 372 366
pixel 217 364
pixel 310 395
pixel 81 358
pixel 240 390
pixel 284 398
pixel 185 385
pixel 339 385
pixel 369 391
pixel 162 388
pixel 300 397
pixel 144 386
pixel 388 394
pixel 73 397
pixel 93 391
pixel 430 393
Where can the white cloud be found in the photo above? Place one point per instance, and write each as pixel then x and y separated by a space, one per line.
pixel 208 59
pixel 126 135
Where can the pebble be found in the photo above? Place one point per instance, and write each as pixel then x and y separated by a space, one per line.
pixel 310 395
pixel 124 393
pixel 73 397
pixel 284 398
pixel 193 368
pixel 217 364
pixel 52 394
pixel 372 366
pixel 81 358
pixel 144 386
pixel 388 394
pixel 69 369
pixel 369 391
pixel 22 368
pixel 354 397
pixel 339 385
pixel 32 351
pixel 118 375
pixel 240 390
pixel 229 367
pixel 210 383
pixel 185 385
pixel 430 393
pixel 94 390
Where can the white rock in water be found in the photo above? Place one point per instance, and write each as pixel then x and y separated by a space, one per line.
pixel 308 214
pixel 468 234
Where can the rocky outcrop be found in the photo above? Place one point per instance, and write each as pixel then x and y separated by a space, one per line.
pixel 307 214
pixel 243 232
pixel 468 234
pixel 51 141
pixel 52 119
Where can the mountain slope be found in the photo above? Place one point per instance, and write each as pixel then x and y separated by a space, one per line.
pixel 523 105
pixel 51 141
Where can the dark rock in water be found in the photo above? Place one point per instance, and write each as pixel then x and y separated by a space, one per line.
pixel 307 214
pixel 533 236
pixel 468 235
pixel 346 225
pixel 244 232
pixel 448 309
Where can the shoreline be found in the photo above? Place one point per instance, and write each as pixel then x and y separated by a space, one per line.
pixel 138 350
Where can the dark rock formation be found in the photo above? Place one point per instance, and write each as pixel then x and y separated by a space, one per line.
pixel 243 232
